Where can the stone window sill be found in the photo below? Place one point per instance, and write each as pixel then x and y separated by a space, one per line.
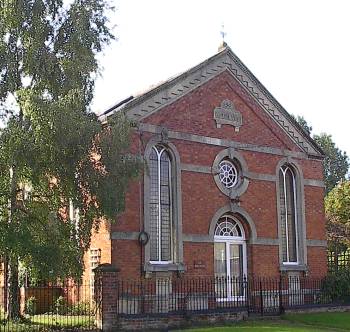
pixel 180 267
pixel 291 267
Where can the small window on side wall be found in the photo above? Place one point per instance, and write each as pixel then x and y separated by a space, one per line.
pixel 288 214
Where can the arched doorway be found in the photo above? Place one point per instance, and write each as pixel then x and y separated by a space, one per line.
pixel 230 261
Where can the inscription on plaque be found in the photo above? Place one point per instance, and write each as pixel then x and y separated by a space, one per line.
pixel 199 265
pixel 227 114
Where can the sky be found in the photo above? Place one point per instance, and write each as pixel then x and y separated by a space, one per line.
pixel 298 49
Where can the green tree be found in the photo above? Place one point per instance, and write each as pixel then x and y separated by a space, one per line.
pixel 53 150
pixel 303 123
pixel 336 163
pixel 335 169
pixel 337 204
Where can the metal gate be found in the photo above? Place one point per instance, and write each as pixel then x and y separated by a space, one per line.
pixel 265 297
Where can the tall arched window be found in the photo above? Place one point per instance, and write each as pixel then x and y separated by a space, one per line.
pixel 160 205
pixel 288 213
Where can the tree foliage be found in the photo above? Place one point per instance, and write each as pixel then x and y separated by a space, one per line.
pixel 337 200
pixel 337 204
pixel 303 123
pixel 336 162
pixel 53 150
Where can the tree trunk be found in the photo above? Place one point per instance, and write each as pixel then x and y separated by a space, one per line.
pixel 13 296
pixel 13 307
pixel 5 282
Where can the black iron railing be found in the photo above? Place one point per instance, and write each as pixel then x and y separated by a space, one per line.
pixel 51 307
pixel 72 306
pixel 209 294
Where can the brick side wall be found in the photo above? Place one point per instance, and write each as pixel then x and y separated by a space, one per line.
pixel 100 239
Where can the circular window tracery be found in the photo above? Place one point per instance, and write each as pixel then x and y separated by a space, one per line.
pixel 228 227
pixel 228 173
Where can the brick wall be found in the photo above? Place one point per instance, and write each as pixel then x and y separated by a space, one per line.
pixel 201 198
pixel 314 213
pixel 127 256
pixel 198 258
pixel 176 321
pixel 317 261
pixel 193 113
pixel 100 239
pixel 264 260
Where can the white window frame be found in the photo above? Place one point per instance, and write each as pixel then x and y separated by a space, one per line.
pixel 74 217
pixel 160 261
pixel 234 170
pixel 91 263
pixel 284 169
pixel 236 240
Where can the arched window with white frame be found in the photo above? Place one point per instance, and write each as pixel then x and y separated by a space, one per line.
pixel 230 264
pixel 288 215
pixel 160 205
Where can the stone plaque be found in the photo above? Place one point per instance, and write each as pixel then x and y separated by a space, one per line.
pixel 227 114
pixel 199 265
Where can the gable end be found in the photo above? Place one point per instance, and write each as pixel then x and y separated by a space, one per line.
pixel 150 102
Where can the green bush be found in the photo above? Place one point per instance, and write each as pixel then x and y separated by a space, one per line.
pixel 30 307
pixel 81 308
pixel 61 306
pixel 336 287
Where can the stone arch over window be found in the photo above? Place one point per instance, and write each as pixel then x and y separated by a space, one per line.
pixel 230 172
pixel 162 207
pixel 234 210
pixel 291 215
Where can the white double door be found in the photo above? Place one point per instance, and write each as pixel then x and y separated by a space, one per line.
pixel 229 268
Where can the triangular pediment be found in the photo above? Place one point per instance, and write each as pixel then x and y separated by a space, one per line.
pixel 142 106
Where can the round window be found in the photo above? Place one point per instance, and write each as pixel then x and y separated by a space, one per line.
pixel 228 174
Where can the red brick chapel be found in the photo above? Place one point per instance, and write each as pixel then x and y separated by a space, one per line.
pixel 232 185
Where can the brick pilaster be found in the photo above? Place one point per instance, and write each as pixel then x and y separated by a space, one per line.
pixel 106 297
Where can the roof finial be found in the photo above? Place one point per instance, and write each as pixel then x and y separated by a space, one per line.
pixel 223 34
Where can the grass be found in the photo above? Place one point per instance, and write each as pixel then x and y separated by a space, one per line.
pixel 339 320
pixel 290 323
pixel 312 322
pixel 47 322
pixel 260 326
pixel 63 321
